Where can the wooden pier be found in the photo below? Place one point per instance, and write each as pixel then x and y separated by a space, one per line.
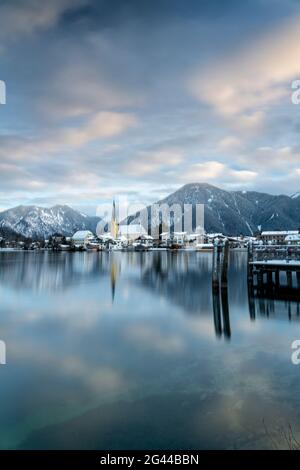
pixel 273 283
pixel 273 274
pixel 270 265
pixel 220 288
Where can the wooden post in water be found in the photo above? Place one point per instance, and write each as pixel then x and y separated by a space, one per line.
pixel 289 279
pixel 224 266
pixel 277 278
pixel 224 289
pixel 225 312
pixel 298 279
pixel 251 301
pixel 216 288
pixel 249 261
pixel 260 277
pixel 220 288
pixel 270 279
pixel 216 264
pixel 250 279
pixel 217 312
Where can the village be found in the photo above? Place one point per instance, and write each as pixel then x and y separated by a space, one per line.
pixel 134 237
pixel 115 236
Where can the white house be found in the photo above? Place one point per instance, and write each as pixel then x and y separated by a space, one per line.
pixel 293 239
pixel 176 237
pixel 277 236
pixel 144 240
pixel 82 237
pixel 132 231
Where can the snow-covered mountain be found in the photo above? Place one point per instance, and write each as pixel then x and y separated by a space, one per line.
pixel 239 212
pixel 230 212
pixel 40 222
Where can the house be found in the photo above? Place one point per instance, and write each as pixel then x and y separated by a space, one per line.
pixel 144 240
pixel 293 239
pixel 57 238
pixel 82 237
pixel 277 237
pixel 176 237
pixel 132 231
pixel 180 237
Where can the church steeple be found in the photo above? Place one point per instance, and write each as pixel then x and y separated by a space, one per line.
pixel 114 224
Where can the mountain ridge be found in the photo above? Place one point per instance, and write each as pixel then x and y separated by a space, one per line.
pixel 35 222
pixel 238 212
pixel 230 212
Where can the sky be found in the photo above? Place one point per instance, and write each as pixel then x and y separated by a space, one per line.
pixel 136 98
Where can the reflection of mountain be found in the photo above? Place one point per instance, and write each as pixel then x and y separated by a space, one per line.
pixel 183 278
pixel 49 271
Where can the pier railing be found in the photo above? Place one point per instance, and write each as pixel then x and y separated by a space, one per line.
pixel 274 252
pixel 270 265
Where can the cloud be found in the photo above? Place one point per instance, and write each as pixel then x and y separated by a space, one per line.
pixel 98 102
pixel 101 125
pixel 229 143
pixel 19 18
pixel 152 338
pixel 215 171
pixel 254 78
pixel 148 162
pixel 60 161
pixel 79 84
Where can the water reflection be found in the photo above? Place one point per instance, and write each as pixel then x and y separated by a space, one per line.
pixel 184 279
pixel 39 271
pixel 270 302
pixel 119 350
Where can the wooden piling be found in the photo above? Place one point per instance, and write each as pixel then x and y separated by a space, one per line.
pixel 216 265
pixel 298 279
pixel 277 278
pixel 220 288
pixel 216 289
pixel 251 301
pixel 289 279
pixel 249 261
pixel 224 266
pixel 217 312
pixel 270 278
pixel 225 312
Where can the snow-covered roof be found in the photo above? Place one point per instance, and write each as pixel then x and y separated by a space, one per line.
pixel 293 238
pixel 147 237
pixel 176 234
pixel 280 232
pixel 122 238
pixel 215 235
pixel 106 236
pixel 82 235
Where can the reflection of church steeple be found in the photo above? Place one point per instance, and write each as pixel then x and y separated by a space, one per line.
pixel 113 278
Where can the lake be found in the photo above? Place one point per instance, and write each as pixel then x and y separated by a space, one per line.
pixel 124 351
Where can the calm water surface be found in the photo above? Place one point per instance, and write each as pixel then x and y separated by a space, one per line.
pixel 123 351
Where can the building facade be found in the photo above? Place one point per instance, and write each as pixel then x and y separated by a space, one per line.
pixel 277 237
